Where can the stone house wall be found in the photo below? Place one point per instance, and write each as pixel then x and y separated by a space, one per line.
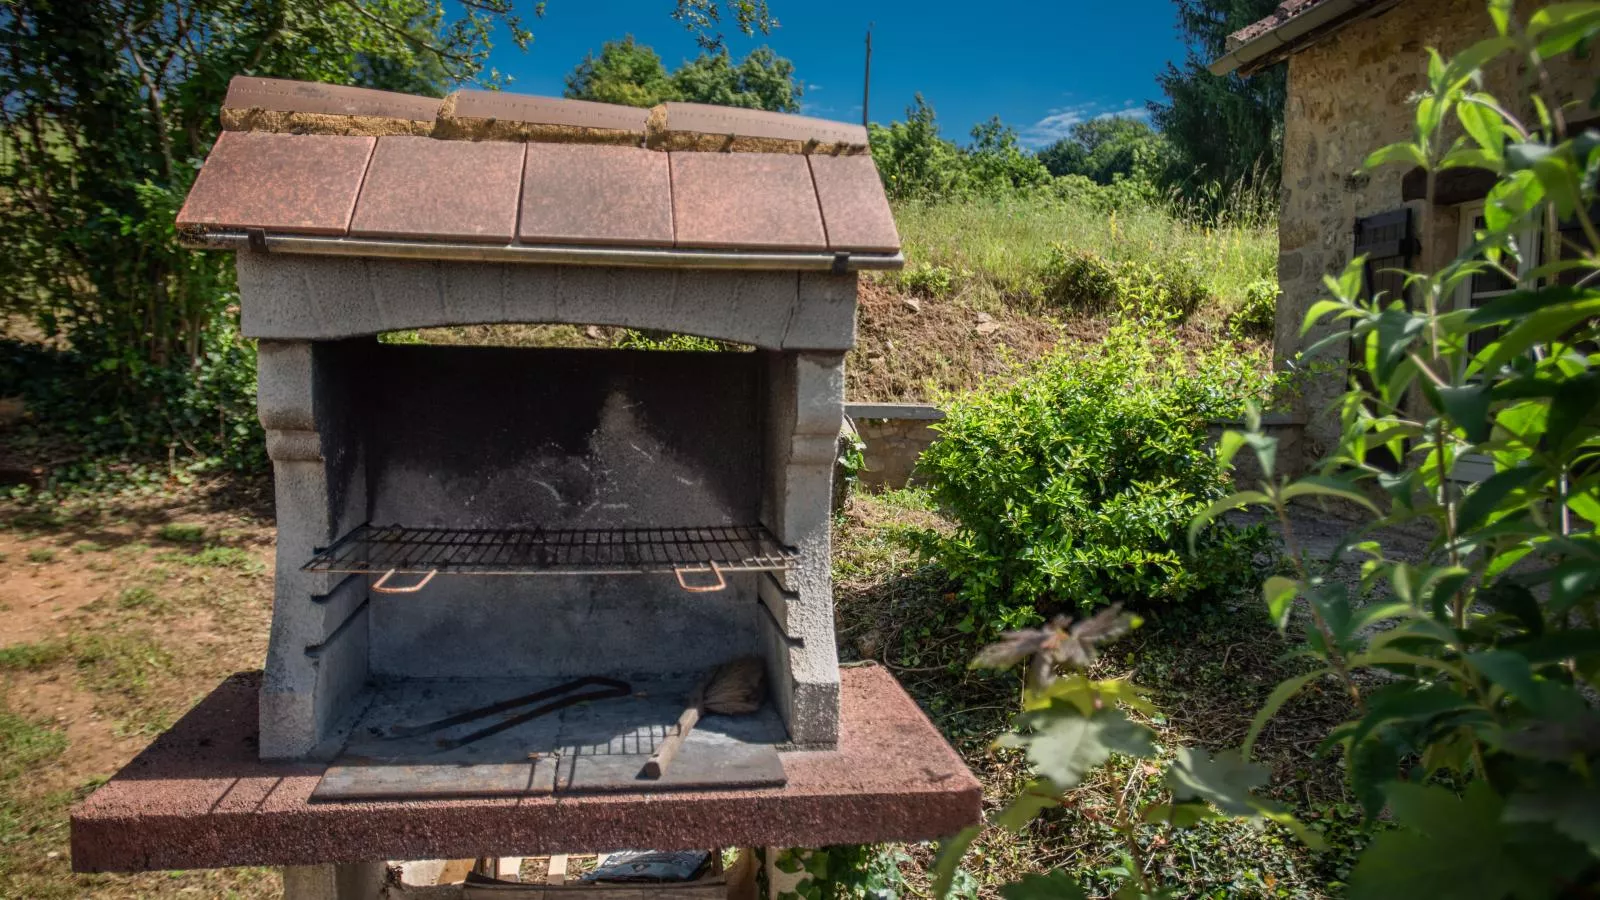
pixel 1347 96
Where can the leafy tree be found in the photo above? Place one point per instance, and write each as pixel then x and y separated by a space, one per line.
pixel 997 161
pixel 631 73
pixel 1103 150
pixel 762 80
pixel 1226 129
pixel 913 160
pixel 625 72
pixel 109 108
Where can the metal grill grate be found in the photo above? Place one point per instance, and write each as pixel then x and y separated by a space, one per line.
pixel 394 549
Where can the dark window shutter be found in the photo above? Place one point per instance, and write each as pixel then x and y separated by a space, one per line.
pixel 1389 243
pixel 1574 243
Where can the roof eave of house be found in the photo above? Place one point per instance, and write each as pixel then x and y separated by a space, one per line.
pixel 1294 34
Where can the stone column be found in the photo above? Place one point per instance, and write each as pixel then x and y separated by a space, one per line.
pixel 805 394
pixel 317 655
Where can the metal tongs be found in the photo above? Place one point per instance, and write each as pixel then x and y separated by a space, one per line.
pixel 605 689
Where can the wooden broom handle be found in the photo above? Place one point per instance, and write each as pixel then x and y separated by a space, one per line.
pixel 662 758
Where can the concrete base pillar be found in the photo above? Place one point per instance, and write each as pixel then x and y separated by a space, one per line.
pixel 351 881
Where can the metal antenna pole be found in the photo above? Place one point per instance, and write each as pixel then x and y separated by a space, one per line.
pixel 866 81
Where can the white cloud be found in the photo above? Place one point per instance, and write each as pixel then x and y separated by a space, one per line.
pixel 1141 113
pixel 1055 126
pixel 1058 124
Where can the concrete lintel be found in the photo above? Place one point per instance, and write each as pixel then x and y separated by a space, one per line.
pixel 309 298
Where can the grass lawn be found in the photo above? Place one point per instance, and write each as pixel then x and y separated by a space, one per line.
pixel 1002 244
pixel 118 617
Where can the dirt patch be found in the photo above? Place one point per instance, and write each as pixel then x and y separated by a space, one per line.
pixel 36 598
pixel 95 748
pixel 119 613
pixel 911 348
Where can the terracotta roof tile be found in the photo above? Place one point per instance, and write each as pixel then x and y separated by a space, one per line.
pixel 745 200
pixel 282 95
pixel 596 194
pixel 303 184
pixel 728 121
pixel 547 111
pixel 418 187
pixel 295 160
pixel 854 209
pixel 1279 17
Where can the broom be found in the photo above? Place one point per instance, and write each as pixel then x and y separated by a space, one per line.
pixel 732 689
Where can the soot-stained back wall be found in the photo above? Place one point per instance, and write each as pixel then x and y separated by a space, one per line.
pixel 490 437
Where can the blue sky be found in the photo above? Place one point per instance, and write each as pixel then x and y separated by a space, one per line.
pixel 1039 66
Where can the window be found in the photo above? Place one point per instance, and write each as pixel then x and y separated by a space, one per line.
pixel 1486 286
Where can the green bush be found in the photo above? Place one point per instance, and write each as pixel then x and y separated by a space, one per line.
pixel 1073 486
pixel 109 407
pixel 1159 286
pixel 1254 318
pixel 930 281
pixel 631 339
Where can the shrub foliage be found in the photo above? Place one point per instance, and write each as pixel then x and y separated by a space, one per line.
pixel 1472 672
pixel 1073 486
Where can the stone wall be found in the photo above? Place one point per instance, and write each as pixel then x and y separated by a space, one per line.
pixel 1349 95
pixel 894 436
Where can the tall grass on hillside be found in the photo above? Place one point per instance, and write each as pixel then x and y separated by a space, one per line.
pixel 1000 245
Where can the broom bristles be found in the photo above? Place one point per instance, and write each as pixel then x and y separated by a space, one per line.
pixel 737 687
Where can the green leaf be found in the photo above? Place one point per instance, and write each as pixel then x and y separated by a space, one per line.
pixel 1371 766
pixel 1542 327
pixel 1320 309
pixel 1388 657
pixel 1407 702
pixel 1040 794
pixel 1525 155
pixel 1063 744
pixel 1397 330
pixel 1512 673
pixel 1468 407
pixel 1487 496
pixel 1225 781
pixel 1056 885
pixel 1467 61
pixel 1327 486
pixel 1573 416
pixel 948 859
pixel 1232 501
pixel 1447 847
pixel 1275 701
pixel 1562 26
pixel 1520 304
pixel 1279 593
pixel 1515 601
pixel 1573 809
pixel 1179 815
pixel 1403 153
pixel 1484 124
